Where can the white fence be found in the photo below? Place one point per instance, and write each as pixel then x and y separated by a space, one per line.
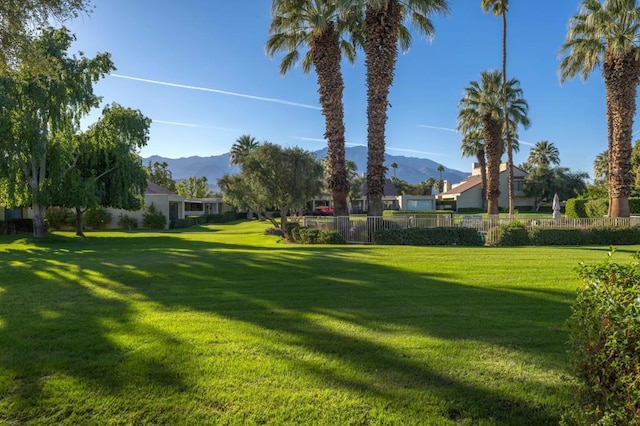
pixel 360 228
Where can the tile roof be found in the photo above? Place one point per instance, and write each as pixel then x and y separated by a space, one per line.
pixel 465 185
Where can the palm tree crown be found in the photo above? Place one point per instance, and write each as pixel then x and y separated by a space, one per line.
pixel 543 154
pixel 241 148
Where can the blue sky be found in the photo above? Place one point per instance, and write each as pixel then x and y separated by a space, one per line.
pixel 198 69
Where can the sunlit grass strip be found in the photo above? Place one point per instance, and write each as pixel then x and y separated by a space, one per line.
pixel 223 325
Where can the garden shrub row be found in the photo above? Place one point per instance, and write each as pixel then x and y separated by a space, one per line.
pixel 604 335
pixel 584 208
pixel 450 236
pixel 224 217
pixel 515 234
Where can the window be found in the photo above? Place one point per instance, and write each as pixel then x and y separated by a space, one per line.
pixel 518 185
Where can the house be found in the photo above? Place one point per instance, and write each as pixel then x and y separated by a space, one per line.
pixel 389 198
pixel 468 193
pixel 205 206
pixel 167 202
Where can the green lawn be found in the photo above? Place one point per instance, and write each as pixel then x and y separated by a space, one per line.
pixel 222 325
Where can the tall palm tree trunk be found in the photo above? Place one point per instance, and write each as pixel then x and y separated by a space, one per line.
pixel 381 53
pixel 326 60
pixel 493 148
pixel 482 163
pixel 506 111
pixel 621 82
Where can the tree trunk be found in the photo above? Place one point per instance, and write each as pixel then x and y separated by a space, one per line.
pixel 381 52
pixel 482 163
pixel 506 111
pixel 493 148
pixel 325 49
pixel 79 224
pixel 621 82
pixel 38 219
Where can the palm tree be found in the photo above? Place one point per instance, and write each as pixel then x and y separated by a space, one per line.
pixel 394 166
pixel 500 8
pixel 605 34
pixel 320 26
pixel 472 145
pixel 543 154
pixel 481 108
pixel 601 167
pixel 241 148
pixel 383 30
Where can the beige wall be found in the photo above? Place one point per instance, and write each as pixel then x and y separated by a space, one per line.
pixel 160 201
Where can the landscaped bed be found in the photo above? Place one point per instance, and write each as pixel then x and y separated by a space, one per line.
pixel 220 324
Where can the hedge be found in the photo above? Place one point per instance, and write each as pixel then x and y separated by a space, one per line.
pixel 447 236
pixel 303 235
pixel 604 335
pixel 517 235
pixel 16 226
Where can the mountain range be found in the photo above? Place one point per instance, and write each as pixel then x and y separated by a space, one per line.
pixel 410 169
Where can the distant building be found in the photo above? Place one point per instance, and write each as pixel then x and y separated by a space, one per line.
pixel 468 193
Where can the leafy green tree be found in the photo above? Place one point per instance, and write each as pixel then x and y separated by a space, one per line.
pixel 481 108
pixel 543 182
pixel 324 29
pixel 17 16
pixel 193 187
pixel 241 148
pixel 160 174
pixel 107 170
pixel 604 34
pixel 45 94
pixel 272 177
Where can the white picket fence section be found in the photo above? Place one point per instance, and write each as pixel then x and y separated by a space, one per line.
pixel 360 228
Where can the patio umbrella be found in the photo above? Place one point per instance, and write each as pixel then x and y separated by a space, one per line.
pixel 556 207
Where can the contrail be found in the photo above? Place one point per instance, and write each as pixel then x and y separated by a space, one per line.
pixel 222 92
pixel 199 126
pixel 438 128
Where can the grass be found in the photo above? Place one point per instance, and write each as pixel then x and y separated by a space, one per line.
pixel 222 325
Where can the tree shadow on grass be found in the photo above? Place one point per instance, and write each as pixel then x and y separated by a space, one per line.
pixel 337 303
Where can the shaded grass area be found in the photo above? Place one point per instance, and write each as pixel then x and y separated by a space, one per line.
pixel 222 325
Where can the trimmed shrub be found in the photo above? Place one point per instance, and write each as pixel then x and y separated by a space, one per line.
pixel 154 218
pixel 604 336
pixel 574 208
pixel 303 235
pixel 558 237
pixel 613 236
pixel 59 218
pixel 439 236
pixel 596 208
pixel 97 218
pixel 127 223
pixel 511 235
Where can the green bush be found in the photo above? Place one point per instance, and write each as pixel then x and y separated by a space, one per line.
pixel 59 218
pixel 97 218
pixel 303 235
pixel 613 236
pixel 634 205
pixel 126 222
pixel 153 218
pixel 292 231
pixel 444 236
pixel 511 235
pixel 187 222
pixel 367 228
pixel 604 336
pixel 575 208
pixel 596 208
pixel 558 237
